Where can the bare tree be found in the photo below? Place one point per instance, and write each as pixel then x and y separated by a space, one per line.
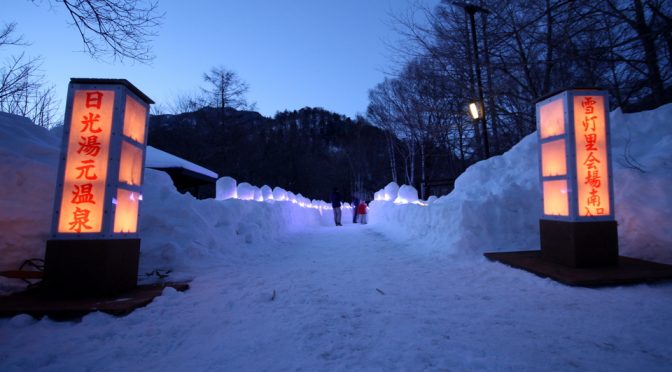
pixel 225 89
pixel 380 112
pixel 642 45
pixel 120 28
pixel 22 88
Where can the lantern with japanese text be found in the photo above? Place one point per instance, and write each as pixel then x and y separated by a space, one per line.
pixel 577 227
pixel 95 246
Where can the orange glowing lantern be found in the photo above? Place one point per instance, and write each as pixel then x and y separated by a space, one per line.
pixel 104 154
pixel 99 187
pixel 576 181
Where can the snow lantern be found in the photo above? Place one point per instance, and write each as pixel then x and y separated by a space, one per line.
pixel 266 192
pixel 406 194
pixel 245 191
pixel 94 230
pixel 577 227
pixel 391 191
pixel 226 188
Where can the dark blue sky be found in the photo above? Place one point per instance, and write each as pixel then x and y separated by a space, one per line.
pixel 293 53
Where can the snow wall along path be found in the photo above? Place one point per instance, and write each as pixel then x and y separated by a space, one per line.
pixel 178 231
pixel 496 203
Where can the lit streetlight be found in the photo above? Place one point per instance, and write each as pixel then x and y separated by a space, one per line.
pixel 475 110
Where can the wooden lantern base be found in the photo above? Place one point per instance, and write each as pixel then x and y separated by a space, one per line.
pixel 579 244
pixel 92 267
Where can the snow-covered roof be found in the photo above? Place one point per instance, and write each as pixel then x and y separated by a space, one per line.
pixel 161 159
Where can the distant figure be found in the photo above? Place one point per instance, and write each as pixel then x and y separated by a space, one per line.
pixel 355 204
pixel 361 211
pixel 336 204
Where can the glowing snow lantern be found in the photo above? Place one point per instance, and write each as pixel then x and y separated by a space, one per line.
pixel 95 245
pixel 577 226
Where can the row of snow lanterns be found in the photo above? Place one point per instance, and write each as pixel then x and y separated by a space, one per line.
pixel 229 189
pixel 403 194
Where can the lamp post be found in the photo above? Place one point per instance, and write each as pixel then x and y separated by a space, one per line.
pixel 472 9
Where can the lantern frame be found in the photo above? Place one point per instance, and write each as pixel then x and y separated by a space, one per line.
pixel 571 176
pixel 123 90
pixel 576 238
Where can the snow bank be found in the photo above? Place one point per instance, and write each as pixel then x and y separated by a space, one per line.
pixel 28 163
pixel 205 232
pixel 496 203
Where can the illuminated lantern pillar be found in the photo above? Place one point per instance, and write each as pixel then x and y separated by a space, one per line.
pixel 94 246
pixel 577 227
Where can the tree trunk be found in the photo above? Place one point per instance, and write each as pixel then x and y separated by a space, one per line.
pixel 647 38
pixel 423 179
pixel 392 155
pixel 491 91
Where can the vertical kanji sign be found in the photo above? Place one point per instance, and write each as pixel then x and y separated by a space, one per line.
pixel 88 148
pixel 592 159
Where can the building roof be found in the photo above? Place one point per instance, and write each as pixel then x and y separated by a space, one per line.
pixel 158 159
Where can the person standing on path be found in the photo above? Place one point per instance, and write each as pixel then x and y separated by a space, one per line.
pixel 361 211
pixel 336 205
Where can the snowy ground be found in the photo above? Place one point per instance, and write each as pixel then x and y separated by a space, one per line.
pixel 433 313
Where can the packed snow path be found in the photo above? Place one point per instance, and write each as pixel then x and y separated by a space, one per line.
pixel 348 298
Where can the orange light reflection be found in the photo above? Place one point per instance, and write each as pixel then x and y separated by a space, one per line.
pixel 552 118
pixel 130 165
pixel 126 212
pixel 553 158
pixel 134 120
pixel 556 201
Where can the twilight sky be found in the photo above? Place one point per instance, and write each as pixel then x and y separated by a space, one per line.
pixel 293 53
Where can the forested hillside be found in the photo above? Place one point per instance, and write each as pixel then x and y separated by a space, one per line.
pixel 309 151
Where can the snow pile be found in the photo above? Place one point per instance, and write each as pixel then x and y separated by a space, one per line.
pixel 208 232
pixel 496 203
pixel 28 164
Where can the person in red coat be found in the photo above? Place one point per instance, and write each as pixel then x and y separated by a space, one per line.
pixel 361 211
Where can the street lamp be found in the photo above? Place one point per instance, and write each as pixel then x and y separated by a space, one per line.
pixel 472 9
